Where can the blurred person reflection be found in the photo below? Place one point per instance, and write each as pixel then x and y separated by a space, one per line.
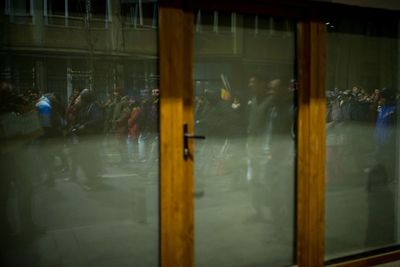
pixel 119 123
pixel 87 130
pixel 208 152
pixel 237 138
pixel 374 103
pixel 270 151
pixel 71 117
pixel 121 132
pixel 50 143
pixel 381 201
pixel 334 140
pixel 152 127
pixel 147 122
pixel 108 108
pixel 71 110
pixel 133 131
pixel 261 107
pixel 20 126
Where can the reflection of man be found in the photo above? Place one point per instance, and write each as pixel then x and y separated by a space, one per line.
pixel 120 123
pixel 381 229
pixel 260 109
pixel 48 109
pixel 20 127
pixel 152 126
pixel 88 126
pixel 148 126
pixel 269 148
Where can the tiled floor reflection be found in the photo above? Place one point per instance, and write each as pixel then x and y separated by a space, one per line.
pixel 227 232
pixel 112 244
pixel 114 225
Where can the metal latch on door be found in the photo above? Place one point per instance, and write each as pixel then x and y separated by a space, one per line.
pixel 186 136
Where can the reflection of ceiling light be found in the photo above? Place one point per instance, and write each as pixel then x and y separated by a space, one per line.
pixel 328 23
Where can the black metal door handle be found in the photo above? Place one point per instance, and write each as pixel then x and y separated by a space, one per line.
pixel 186 137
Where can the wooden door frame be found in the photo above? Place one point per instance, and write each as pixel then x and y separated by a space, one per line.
pixel 176 176
pixel 176 34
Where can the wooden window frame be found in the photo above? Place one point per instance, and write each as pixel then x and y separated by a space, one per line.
pixel 176 33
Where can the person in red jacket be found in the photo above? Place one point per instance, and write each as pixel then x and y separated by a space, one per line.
pixel 121 129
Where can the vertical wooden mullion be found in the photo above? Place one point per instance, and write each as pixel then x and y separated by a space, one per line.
pixel 176 185
pixel 311 145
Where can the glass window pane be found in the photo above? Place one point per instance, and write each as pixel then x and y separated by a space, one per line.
pixel 56 7
pixel 244 169
pixel 76 8
pixel 362 177
pixel 79 138
pixel 99 9
pixel 21 6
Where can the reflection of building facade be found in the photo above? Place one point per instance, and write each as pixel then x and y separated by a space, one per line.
pixel 79 43
pixel 228 43
pixel 113 43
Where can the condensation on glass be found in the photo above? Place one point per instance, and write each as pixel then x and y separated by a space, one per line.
pixel 244 170
pixel 79 133
pixel 362 136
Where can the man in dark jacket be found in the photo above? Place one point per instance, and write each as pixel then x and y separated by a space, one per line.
pixel 270 149
pixel 381 184
pixel 19 126
pixel 87 131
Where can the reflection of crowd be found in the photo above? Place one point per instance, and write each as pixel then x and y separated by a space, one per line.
pixel 248 136
pixel 355 104
pixel 134 123
pixel 359 125
pixel 221 118
pixel 249 139
pixel 42 142
pixel 123 121
pixel 361 151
